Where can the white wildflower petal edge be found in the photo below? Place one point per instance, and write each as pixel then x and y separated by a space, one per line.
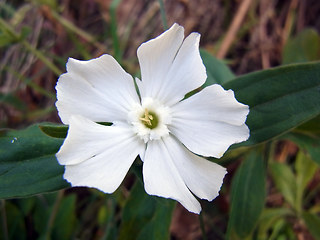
pixel 202 177
pixel 162 178
pixel 172 171
pixel 210 121
pixel 98 89
pixel 98 156
pixel 170 66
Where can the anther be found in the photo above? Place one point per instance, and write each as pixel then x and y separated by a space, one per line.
pixel 147 118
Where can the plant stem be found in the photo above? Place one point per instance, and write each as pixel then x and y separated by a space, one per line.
pixel 163 15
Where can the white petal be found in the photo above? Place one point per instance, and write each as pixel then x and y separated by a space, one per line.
pixel 98 156
pixel 161 176
pixel 171 67
pixel 155 58
pixel 202 177
pixel 210 121
pixel 98 89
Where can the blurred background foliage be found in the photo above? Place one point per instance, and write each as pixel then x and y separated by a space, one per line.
pixel 38 36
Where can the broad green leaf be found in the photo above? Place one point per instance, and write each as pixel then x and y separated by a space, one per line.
pixel 285 181
pixel 312 222
pixel 279 99
pixel 248 193
pixel 28 164
pixel 217 71
pixel 303 48
pixel 145 217
pixel 307 142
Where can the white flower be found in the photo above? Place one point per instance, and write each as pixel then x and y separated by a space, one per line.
pixel 163 129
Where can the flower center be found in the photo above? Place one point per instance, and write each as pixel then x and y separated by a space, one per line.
pixel 149 119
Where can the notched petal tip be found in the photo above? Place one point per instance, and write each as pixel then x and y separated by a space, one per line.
pixel 72 62
pixel 173 30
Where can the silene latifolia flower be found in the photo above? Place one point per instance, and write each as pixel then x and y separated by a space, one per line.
pixel 167 131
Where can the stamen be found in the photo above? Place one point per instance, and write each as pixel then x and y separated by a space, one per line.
pixel 147 118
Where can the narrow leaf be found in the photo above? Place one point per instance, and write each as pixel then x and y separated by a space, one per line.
pixel 248 193
pixel 285 181
pixel 307 142
pixel 14 221
pixel 268 218
pixel 65 221
pixel 305 169
pixel 312 222
pixel 279 99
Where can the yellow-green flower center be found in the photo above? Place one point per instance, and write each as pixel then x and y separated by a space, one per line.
pixel 149 119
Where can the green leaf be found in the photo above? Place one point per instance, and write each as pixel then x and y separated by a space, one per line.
pixel 25 205
pixel 280 99
pixel 248 193
pixel 14 222
pixel 217 71
pixel 285 181
pixel 145 216
pixel 307 142
pixel 303 48
pixel 281 230
pixel 311 126
pixel 268 218
pixel 312 222
pixel 42 212
pixel 28 164
pixel 305 169
pixel 64 223
pixel 54 130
